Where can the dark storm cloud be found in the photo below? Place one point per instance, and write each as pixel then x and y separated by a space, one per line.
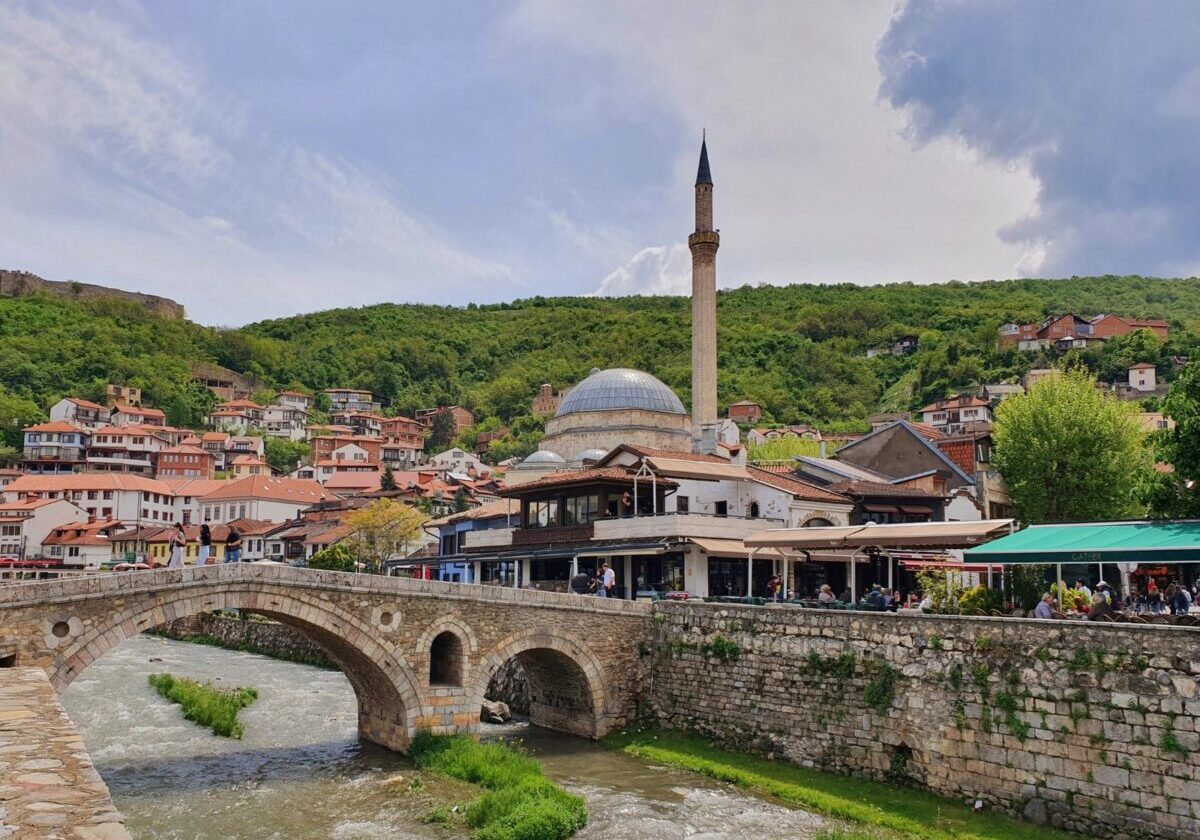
pixel 1100 99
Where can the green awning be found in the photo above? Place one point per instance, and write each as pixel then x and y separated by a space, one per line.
pixel 1095 542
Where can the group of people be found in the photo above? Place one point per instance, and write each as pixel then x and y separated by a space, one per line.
pixel 1177 599
pixel 179 541
pixel 603 584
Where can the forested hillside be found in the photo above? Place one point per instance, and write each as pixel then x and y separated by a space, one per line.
pixel 798 350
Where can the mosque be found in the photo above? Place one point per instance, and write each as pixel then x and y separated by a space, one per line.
pixel 625 406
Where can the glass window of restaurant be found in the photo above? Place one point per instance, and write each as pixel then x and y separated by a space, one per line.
pixel 543 514
pixel 497 573
pixel 661 573
pixel 580 510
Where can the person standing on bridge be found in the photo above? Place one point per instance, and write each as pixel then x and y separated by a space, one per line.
pixel 608 579
pixel 233 546
pixel 178 541
pixel 205 545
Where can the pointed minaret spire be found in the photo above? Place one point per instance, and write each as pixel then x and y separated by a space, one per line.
pixel 703 176
pixel 703 244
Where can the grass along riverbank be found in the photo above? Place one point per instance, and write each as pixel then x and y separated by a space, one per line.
pixel 204 704
pixel 890 812
pixel 520 803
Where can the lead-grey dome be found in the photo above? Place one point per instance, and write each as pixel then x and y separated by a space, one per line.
pixel 544 456
pixel 620 388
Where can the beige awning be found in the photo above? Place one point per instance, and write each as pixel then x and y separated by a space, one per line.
pixel 698 470
pixel 731 548
pixel 903 535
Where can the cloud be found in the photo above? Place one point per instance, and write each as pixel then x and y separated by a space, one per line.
pixel 656 270
pixel 814 182
pixel 1102 107
pixel 119 165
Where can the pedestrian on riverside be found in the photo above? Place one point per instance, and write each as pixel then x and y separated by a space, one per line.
pixel 608 582
pixel 178 541
pixel 205 546
pixel 1177 600
pixel 233 546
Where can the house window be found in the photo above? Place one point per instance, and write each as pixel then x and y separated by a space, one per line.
pixel 107 512
pixel 681 504
pixel 754 514
pixel 721 508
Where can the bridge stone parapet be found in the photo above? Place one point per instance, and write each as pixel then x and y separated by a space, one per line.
pixel 418 653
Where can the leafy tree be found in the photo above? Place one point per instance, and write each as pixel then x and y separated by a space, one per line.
pixel 263 396
pixel 15 414
pixel 387 481
pixel 338 557
pixel 461 502
pixel 381 530
pixel 9 455
pixel 283 454
pixel 784 449
pixel 1069 451
pixel 441 432
pixel 1176 494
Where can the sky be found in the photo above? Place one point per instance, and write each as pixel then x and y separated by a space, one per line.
pixel 262 159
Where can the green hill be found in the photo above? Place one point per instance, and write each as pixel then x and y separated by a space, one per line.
pixel 798 350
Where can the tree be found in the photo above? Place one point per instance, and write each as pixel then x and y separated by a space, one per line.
pixel 338 557
pixel 1069 451
pixel 1176 494
pixel 388 480
pixel 283 454
pixel 441 432
pixel 15 414
pixel 9 455
pixel 461 502
pixel 381 530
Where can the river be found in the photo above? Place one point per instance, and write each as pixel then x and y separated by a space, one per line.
pixel 301 774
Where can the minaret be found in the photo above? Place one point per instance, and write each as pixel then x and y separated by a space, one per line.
pixel 703 244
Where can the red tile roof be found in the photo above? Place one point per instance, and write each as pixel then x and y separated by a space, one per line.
pixel 54 426
pixel 86 404
pixel 298 490
pixel 873 488
pixel 86 481
pixel 799 489
pixel 579 477
pixel 141 412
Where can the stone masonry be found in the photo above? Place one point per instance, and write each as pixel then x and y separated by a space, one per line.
pixel 579 654
pixel 48 786
pixel 1089 727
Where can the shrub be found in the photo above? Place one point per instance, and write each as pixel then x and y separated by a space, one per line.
pixel 337 558
pixel 979 600
pixel 206 705
pixel 520 802
pixel 722 649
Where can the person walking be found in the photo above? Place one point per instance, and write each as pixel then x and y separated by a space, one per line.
pixel 233 546
pixel 608 579
pixel 775 588
pixel 205 546
pixel 178 541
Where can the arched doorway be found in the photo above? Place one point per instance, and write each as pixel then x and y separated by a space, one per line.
pixel 446 660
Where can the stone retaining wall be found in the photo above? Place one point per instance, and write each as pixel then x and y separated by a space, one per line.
pixel 1087 727
pixel 269 638
pixel 48 786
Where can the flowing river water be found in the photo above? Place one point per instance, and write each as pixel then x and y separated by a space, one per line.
pixel 300 773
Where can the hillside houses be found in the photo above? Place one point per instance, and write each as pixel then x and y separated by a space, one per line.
pixel 1070 331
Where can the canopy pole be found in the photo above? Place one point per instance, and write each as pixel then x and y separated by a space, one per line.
pixel 853 579
pixel 750 571
pixel 989 575
pixel 1062 602
pixel 889 562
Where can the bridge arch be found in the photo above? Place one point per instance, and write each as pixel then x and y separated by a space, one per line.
pixel 389 699
pixel 567 689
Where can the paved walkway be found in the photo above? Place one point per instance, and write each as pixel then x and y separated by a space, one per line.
pixel 48 786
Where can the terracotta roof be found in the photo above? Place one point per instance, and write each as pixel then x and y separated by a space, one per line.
pixel 362 480
pixel 957 402
pixel 142 412
pixel 134 429
pixel 227 412
pixel 249 461
pixel 1142 366
pixel 492 510
pixel 580 477
pixel 86 404
pixel 55 426
pixel 186 486
pixel 82 533
pixel 873 488
pixel 298 490
pixel 87 481
pixel 183 449
pixel 925 430
pixel 799 489
pixel 28 505
pixel 240 404
pixel 221 436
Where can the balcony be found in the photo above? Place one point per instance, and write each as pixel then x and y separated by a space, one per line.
pixel 666 525
pixel 565 534
pixel 34 453
pixel 489 538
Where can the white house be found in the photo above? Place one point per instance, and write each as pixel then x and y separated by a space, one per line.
pixel 24 525
pixel 83 545
pixel 260 497
pixel 458 461
pixel 82 413
pixel 129 499
pixel 1143 377
pixel 285 421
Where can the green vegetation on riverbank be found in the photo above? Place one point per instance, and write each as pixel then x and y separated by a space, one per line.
pixel 520 802
pixel 892 812
pixel 205 704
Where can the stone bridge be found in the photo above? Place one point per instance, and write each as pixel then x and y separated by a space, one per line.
pixel 418 653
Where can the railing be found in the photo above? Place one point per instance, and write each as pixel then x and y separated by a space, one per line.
pixel 552 535
pixel 682 525
pixel 488 538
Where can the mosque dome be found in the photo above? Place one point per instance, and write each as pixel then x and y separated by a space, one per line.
pixel 617 389
pixel 544 456
pixel 591 455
